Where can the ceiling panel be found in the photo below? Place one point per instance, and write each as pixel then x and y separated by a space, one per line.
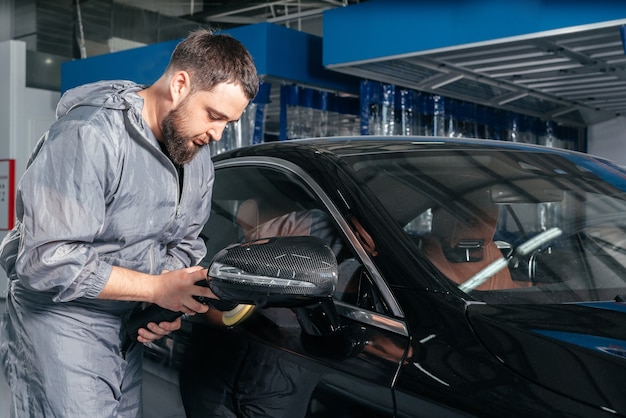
pixel 574 75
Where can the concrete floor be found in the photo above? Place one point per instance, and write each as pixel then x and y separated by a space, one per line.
pixel 161 395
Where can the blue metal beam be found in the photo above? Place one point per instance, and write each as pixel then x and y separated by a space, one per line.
pixel 386 28
pixel 278 52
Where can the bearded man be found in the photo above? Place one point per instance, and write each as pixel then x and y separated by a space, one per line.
pixel 109 211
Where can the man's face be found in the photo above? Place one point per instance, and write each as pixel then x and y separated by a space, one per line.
pixel 201 118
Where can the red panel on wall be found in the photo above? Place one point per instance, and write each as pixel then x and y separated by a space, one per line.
pixel 7 194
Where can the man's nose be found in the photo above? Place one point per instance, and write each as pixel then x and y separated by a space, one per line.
pixel 216 130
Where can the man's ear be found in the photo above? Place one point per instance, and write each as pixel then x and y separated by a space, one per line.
pixel 180 86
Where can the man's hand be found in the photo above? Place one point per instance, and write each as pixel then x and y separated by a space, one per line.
pixel 156 331
pixel 175 290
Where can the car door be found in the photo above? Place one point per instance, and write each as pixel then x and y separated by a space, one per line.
pixel 336 358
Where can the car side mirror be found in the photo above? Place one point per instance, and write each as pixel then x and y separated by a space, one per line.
pixel 285 272
pixel 280 271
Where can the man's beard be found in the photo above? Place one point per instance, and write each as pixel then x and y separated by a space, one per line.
pixel 180 148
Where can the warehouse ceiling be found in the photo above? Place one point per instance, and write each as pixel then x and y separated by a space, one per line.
pixel 141 22
pixel 304 15
pixel 291 13
pixel 575 76
pixel 103 26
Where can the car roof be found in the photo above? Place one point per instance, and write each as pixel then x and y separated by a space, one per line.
pixel 360 145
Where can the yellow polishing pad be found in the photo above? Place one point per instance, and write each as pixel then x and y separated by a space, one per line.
pixel 237 314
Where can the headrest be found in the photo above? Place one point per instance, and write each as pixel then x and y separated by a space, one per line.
pixel 475 222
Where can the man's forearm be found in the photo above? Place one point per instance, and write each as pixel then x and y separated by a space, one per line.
pixel 129 285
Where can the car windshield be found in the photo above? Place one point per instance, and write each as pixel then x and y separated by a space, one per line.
pixel 509 226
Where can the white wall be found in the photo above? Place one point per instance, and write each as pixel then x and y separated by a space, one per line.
pixel 608 139
pixel 25 113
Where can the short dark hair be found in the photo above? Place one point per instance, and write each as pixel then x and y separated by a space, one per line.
pixel 211 59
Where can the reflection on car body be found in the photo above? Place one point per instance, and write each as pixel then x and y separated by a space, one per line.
pixel 476 278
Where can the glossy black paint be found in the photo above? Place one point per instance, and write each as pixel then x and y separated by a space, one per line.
pixel 458 357
pixel 582 365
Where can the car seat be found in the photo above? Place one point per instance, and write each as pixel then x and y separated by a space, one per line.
pixel 461 245
pixel 256 223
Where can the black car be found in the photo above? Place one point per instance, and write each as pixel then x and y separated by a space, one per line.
pixel 474 278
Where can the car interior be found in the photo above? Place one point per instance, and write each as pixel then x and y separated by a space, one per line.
pixel 471 215
pixel 461 248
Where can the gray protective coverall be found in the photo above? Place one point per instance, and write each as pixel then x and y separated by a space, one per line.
pixel 98 192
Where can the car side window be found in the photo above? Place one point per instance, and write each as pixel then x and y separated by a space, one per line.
pixel 252 202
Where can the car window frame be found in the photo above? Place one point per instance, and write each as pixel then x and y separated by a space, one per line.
pixel 393 323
